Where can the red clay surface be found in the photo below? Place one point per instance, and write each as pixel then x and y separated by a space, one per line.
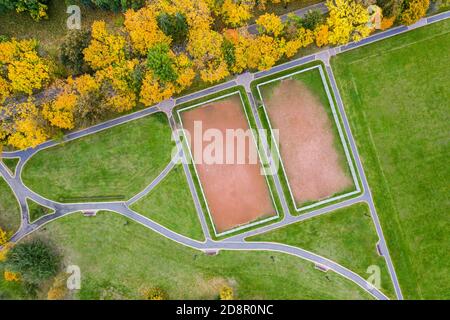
pixel 236 193
pixel 306 139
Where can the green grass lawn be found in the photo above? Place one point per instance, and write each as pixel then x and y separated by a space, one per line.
pixel 171 205
pixel 119 259
pixel 346 236
pixel 11 164
pixel 37 211
pixel 9 208
pixel 397 98
pixel 114 164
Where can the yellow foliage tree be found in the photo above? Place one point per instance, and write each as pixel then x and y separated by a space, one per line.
pixel 321 35
pixel 23 69
pixel 387 22
pixel 58 289
pixel 415 9
pixel 60 111
pixel 105 49
pixel 3 237
pixel 264 52
pixel 226 293
pixel 4 251
pixel 155 293
pixel 142 27
pixel 235 13
pixel 152 91
pixel 270 24
pixel 11 276
pixel 347 21
pixel 27 129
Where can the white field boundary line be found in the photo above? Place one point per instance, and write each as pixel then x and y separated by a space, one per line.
pixel 249 225
pixel 341 136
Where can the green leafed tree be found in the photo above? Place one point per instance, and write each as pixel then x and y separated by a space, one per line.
pixel 173 25
pixel 36 261
pixel 161 62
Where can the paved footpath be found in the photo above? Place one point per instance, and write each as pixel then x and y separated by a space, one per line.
pixel 22 192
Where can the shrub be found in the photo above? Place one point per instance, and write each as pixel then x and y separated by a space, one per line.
pixel 155 293
pixel 59 288
pixel 36 261
pixel 226 293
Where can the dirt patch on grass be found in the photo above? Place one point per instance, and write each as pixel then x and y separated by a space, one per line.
pixel 312 163
pixel 236 193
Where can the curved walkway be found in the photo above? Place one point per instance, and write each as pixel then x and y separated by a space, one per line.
pixel 237 242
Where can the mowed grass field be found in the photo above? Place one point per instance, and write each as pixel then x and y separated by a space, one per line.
pixel 396 94
pixel 9 208
pixel 120 259
pixel 346 236
pixel 114 164
pixel 170 204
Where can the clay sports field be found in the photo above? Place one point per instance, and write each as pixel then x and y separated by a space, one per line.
pixel 309 146
pixel 236 193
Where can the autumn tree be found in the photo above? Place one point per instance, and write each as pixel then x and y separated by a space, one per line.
pixel 155 293
pixel 11 276
pixel 25 127
pixel 143 30
pixel 58 289
pixel 205 45
pixel 3 237
pixel 414 10
pixel 347 21
pixel 270 24
pixel 236 12
pixel 303 38
pixel 60 112
pixel 321 35
pixel 226 293
pixel 105 49
pixel 21 68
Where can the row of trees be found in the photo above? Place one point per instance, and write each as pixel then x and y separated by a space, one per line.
pixel 161 50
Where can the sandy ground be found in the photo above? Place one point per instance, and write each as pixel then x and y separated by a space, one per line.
pixel 310 159
pixel 236 193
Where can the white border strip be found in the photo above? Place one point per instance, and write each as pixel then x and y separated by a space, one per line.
pixel 198 177
pixel 341 136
